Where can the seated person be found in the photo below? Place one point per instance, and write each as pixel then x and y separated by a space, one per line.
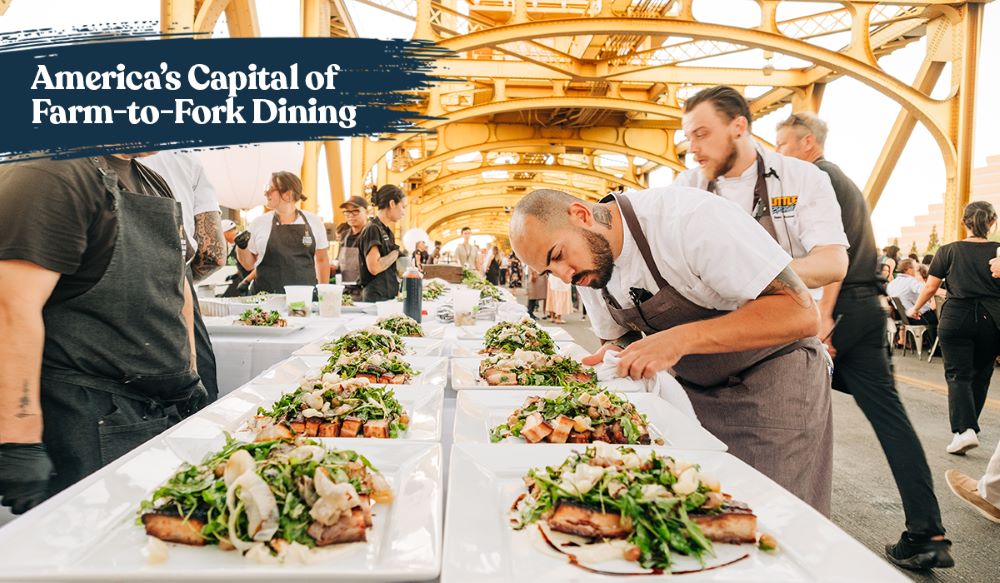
pixel 906 286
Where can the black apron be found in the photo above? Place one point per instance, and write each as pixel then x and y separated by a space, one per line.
pixel 385 285
pixel 771 406
pixel 116 369
pixel 290 257
pixel 237 278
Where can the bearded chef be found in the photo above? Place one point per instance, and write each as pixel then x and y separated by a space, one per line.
pixel 704 284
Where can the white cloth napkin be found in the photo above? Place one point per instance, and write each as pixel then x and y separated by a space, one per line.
pixel 663 384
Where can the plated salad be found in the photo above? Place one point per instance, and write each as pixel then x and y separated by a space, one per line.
pixel 374 366
pixel 366 340
pixel 258 317
pixel 401 325
pixel 526 367
pixel 328 406
pixel 434 289
pixel 510 337
pixel 346 300
pixel 578 413
pixel 614 503
pixel 275 499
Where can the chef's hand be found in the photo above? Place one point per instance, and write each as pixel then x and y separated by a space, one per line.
pixel 598 357
pixel 24 475
pixel 995 267
pixel 242 240
pixel 644 358
pixel 826 336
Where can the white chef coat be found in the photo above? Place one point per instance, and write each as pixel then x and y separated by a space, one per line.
pixel 804 206
pixel 260 232
pixel 706 247
pixel 185 175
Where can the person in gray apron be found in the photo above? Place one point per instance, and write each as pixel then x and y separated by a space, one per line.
pixel 770 403
pixel 348 254
pixel 117 364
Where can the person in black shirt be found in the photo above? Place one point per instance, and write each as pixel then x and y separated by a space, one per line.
pixel 968 330
pixel 97 319
pixel 379 281
pixel 421 256
pixel 861 360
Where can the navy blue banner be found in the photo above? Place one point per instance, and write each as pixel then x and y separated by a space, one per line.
pixel 67 99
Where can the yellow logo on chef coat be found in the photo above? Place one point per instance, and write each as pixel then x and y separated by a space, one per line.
pixel 783 205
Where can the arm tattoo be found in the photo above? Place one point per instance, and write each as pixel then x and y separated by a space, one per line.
pixel 602 215
pixel 789 284
pixel 211 245
pixel 23 403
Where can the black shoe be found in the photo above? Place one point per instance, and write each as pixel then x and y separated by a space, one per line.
pixel 920 553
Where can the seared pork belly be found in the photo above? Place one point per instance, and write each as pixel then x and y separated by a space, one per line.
pixel 173 528
pixel 573 518
pixel 350 528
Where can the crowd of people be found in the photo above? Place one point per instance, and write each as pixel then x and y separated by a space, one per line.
pixel 754 278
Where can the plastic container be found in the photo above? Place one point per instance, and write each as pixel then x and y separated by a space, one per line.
pixel 413 293
pixel 299 299
pixel 331 296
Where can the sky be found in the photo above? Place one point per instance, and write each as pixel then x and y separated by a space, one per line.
pixel 859 117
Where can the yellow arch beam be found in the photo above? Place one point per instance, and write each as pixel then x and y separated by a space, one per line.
pixel 536 168
pixel 489 186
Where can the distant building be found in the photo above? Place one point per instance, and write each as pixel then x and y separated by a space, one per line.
pixel 985 186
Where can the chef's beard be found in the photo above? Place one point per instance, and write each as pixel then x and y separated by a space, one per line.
pixel 604 261
pixel 728 162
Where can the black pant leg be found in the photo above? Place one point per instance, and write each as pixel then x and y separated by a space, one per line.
pixel 957 333
pixel 532 306
pixel 205 354
pixel 862 369
pixel 987 341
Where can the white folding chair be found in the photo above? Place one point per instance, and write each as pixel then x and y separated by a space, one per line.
pixel 915 330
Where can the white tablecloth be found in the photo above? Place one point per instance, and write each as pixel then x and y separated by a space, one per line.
pixel 240 358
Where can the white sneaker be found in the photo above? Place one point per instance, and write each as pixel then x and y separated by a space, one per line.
pixel 963 442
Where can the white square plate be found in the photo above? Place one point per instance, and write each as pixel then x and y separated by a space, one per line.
pixel 431 326
pixel 424 405
pixel 476 412
pixel 88 532
pixel 431 370
pixel 480 545
pixel 415 346
pixel 465 376
pixel 226 325
pixel 468 348
pixel 478 330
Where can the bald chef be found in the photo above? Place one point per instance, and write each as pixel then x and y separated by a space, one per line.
pixel 718 304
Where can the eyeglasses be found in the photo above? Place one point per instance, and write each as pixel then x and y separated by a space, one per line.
pixel 353 213
pixel 269 188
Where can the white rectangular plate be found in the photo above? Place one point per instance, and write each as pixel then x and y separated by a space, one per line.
pixel 416 346
pixel 478 411
pixel 465 376
pixel 478 330
pixel 431 326
pixel 88 532
pixel 431 370
pixel 467 348
pixel 424 405
pixel 225 325
pixel 480 545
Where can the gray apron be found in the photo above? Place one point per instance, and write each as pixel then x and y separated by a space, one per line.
pixel 290 257
pixel 349 260
pixel 771 406
pixel 116 366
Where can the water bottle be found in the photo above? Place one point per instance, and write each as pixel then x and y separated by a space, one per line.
pixel 413 290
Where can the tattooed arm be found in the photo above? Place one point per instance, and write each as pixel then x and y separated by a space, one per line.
pixel 24 289
pixel 211 245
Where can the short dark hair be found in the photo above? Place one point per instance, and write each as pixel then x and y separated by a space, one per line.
pixel 464 229
pixel 726 100
pixel 285 181
pixel 387 193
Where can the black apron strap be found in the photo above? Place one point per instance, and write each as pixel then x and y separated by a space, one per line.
pixel 760 209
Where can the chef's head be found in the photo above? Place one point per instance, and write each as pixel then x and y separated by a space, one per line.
pixel 715 120
pixel 802 136
pixel 390 202
pixel 284 187
pixel 557 233
pixel 355 212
